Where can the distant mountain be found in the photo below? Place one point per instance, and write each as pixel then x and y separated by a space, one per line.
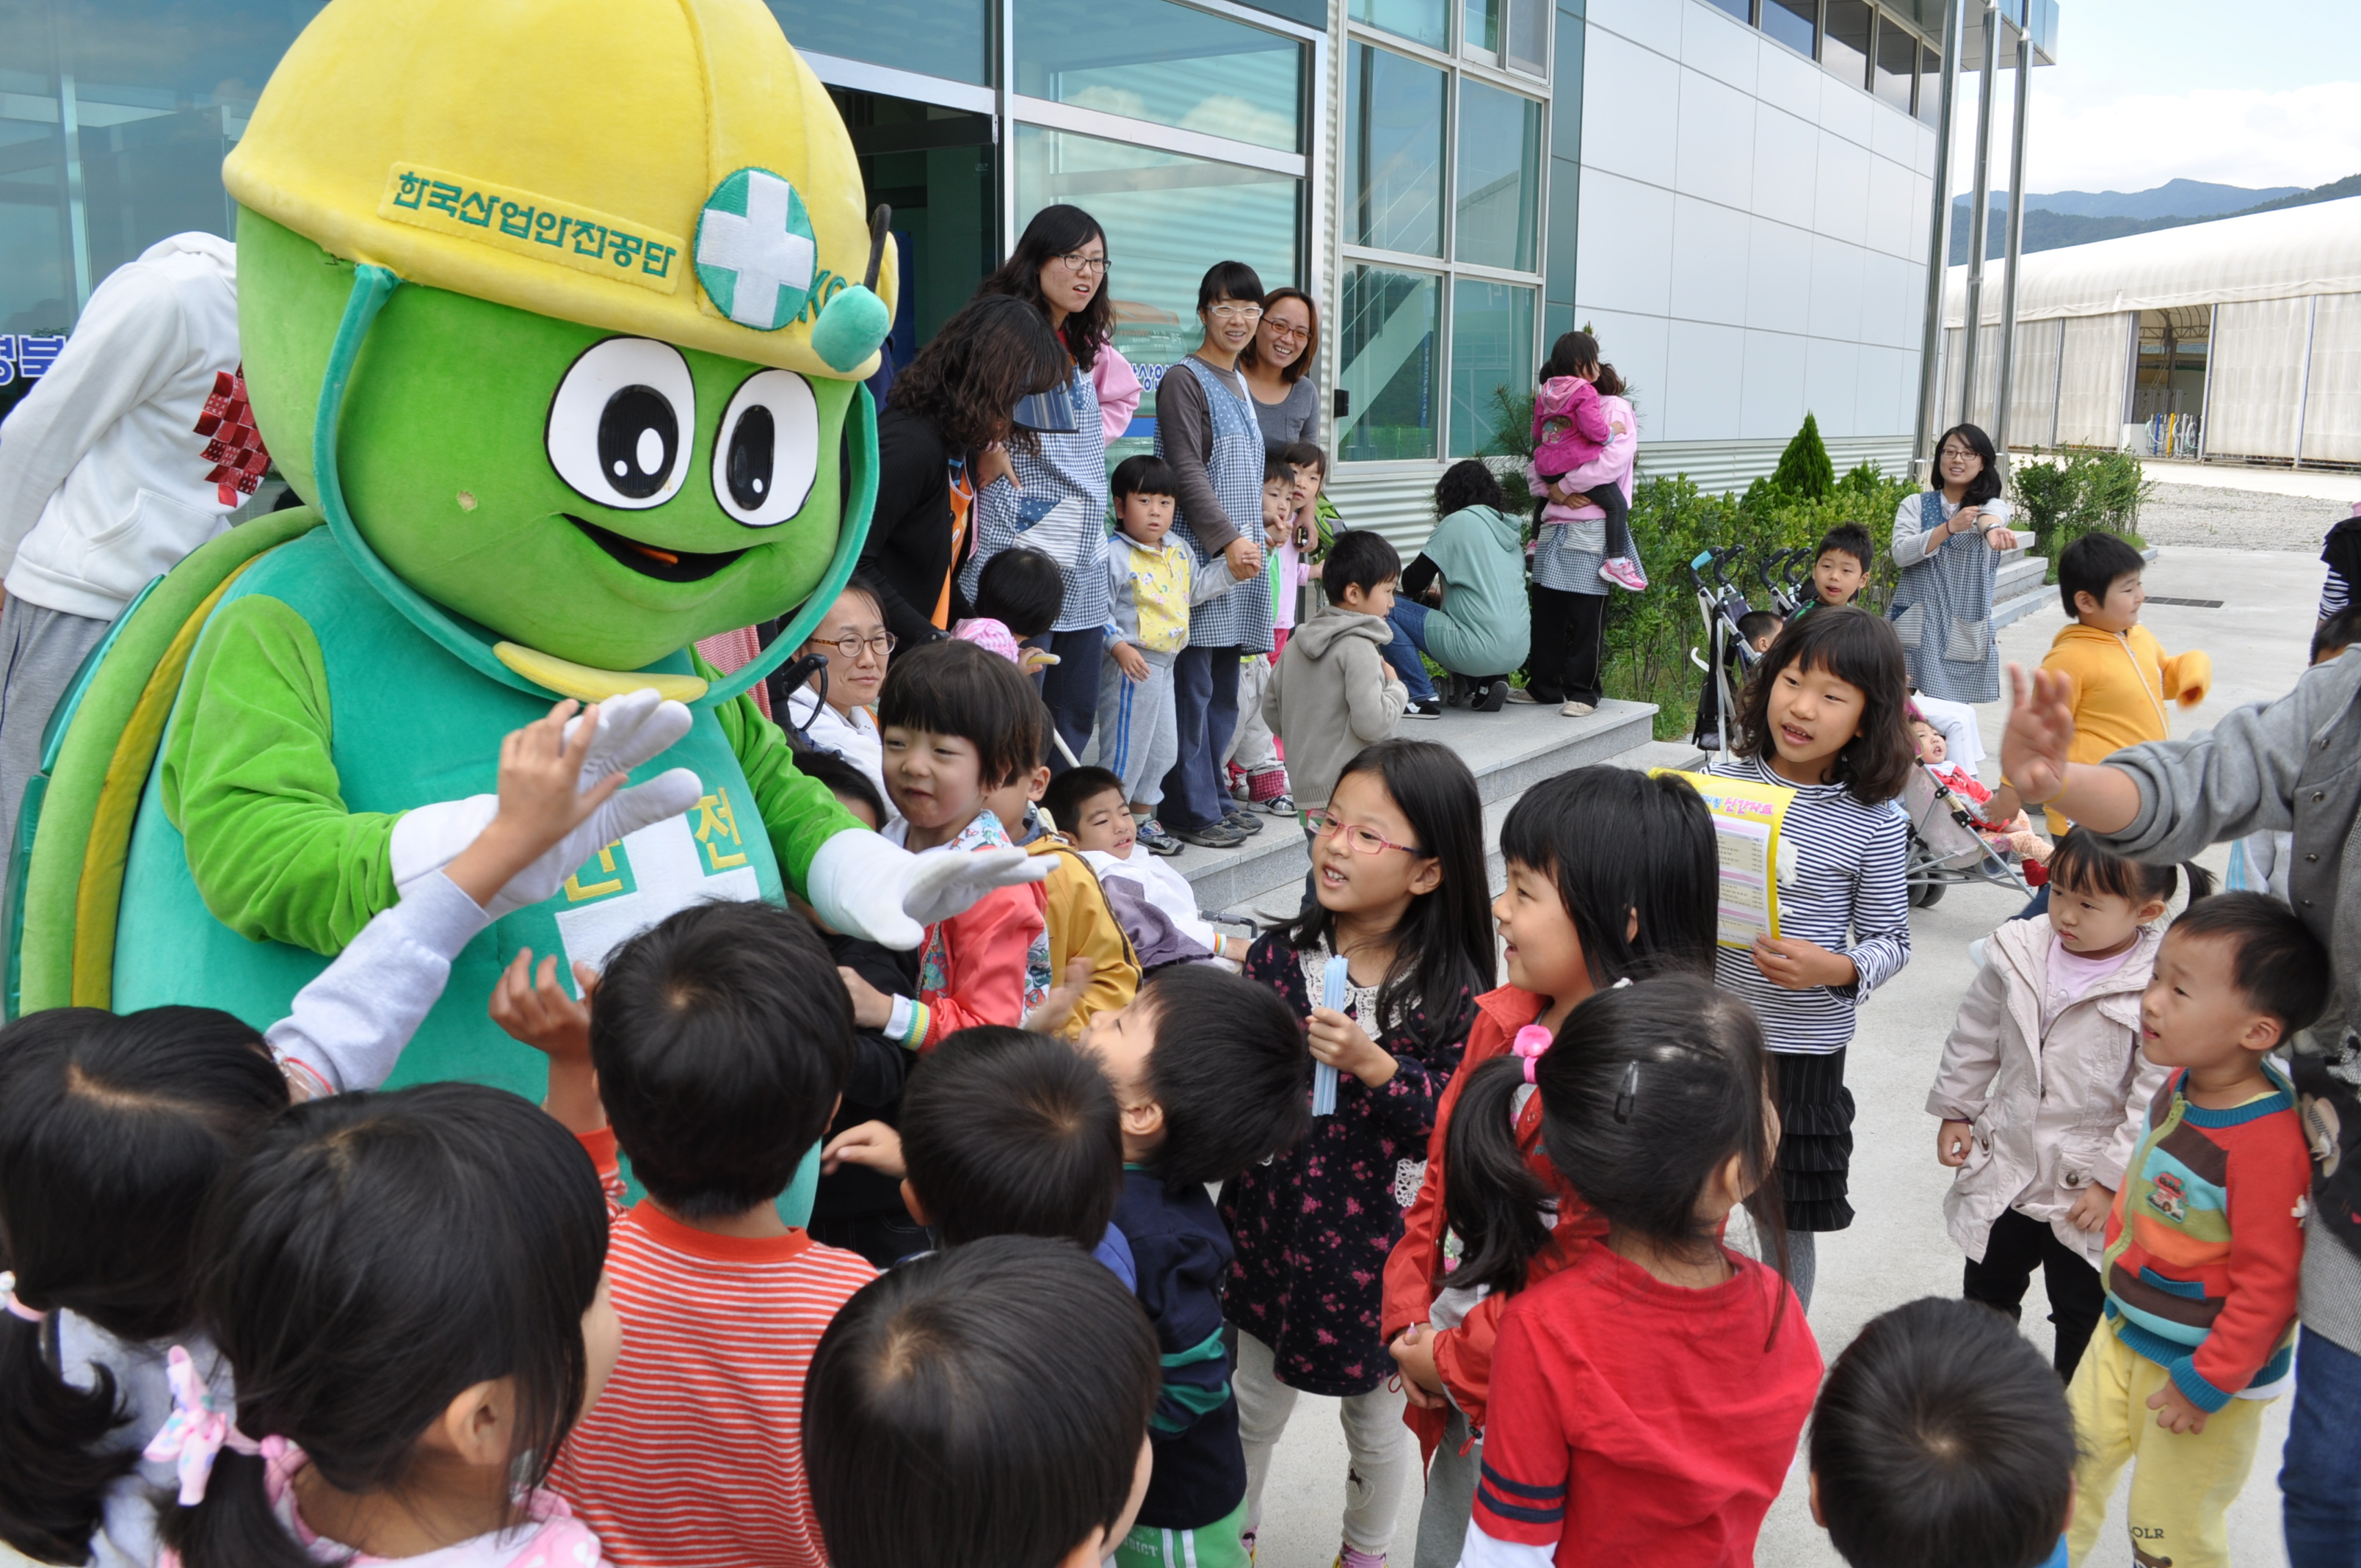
pixel 2048 229
pixel 2173 199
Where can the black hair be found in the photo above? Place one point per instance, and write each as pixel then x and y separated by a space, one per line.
pixel 1620 843
pixel 722 1036
pixel 1573 352
pixel 2338 632
pixel 1850 538
pixel 1941 1440
pixel 2081 864
pixel 1443 950
pixel 113 1131
pixel 1074 788
pixel 1985 486
pixel 1231 1068
pixel 1276 466
pixel 1228 280
pixel 1359 559
pixel 1143 474
pixel 2092 564
pixel 1294 369
pixel 843 779
pixel 1055 231
pixel 374 1256
pixel 863 583
pixel 1861 649
pixel 1305 454
pixel 968 379
pixel 1757 623
pixel 2280 968
pixel 982 1404
pixel 953 687
pixel 1009 1133
pixel 1607 383
pixel 1022 589
pixel 1648 1089
pixel 1469 482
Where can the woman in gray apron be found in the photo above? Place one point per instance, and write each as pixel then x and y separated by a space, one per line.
pixel 1206 427
pixel 1948 543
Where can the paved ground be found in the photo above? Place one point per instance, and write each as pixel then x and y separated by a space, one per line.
pixel 2212 517
pixel 1898 1250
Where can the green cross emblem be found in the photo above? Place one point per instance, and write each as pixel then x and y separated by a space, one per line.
pixel 755 252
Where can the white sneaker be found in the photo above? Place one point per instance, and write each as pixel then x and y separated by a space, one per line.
pixel 1519 694
pixel 1578 709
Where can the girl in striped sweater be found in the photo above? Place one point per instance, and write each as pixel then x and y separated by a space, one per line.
pixel 1824 715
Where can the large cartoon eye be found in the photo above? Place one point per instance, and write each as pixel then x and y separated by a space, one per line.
pixel 619 425
pixel 768 451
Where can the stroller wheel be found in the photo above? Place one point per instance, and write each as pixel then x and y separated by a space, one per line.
pixel 1928 894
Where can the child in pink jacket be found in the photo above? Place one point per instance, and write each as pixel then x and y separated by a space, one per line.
pixel 1571 429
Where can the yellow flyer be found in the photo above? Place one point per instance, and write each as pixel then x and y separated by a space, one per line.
pixel 1747 818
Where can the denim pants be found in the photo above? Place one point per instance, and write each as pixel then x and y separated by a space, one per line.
pixel 1408 620
pixel 2320 1476
pixel 1070 687
pixel 1205 712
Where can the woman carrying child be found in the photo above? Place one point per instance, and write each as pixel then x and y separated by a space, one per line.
pixel 1611 876
pixel 1573 552
pixel 1398 861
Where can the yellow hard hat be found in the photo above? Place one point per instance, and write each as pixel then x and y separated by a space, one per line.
pixel 668 169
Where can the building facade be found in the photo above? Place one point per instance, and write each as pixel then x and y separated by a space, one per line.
pixel 1734 194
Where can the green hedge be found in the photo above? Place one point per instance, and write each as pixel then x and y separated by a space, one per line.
pixel 2076 490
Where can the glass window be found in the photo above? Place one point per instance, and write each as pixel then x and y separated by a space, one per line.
pixel 1149 59
pixel 1491 354
pixel 1897 62
pixel 1792 22
pixel 934 167
pixel 1741 9
pixel 1421 21
pixel 1498 195
pixel 1479 29
pixel 933 38
pixel 1528 39
pixel 1385 365
pixel 1168 218
pixel 1844 43
pixel 1393 152
pixel 1930 84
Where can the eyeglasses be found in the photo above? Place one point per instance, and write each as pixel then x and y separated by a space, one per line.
pixel 1077 262
pixel 1286 333
pixel 1229 313
pixel 1964 452
pixel 1362 840
pixel 851 646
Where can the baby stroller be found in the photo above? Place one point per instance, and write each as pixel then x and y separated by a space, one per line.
pixel 1784 573
pixel 1945 846
pixel 1728 659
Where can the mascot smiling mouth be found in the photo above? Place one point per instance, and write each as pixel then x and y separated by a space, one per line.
pixel 650 561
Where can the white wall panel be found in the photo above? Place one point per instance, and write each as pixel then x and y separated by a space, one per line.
pixel 1897 135
pixel 1714 155
pixel 1888 309
pixel 1888 392
pixel 2332 415
pixel 1710 264
pixel 1786 165
pixel 1840 201
pixel 1721 46
pixel 1704 364
pixel 1654 23
pixel 1896 225
pixel 1778 277
pixel 1832 387
pixel 1847 111
pixel 1634 345
pixel 1789 80
pixel 2257 366
pixel 1626 257
pixel 1836 282
pixel 1630 103
pixel 1773 401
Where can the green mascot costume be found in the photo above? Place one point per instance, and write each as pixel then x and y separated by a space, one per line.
pixel 555 311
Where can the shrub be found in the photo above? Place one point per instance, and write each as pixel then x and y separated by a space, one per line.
pixel 2077 491
pixel 1803 470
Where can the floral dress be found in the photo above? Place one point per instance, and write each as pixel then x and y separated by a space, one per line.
pixel 1314 1225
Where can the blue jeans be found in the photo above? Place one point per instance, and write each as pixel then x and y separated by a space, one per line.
pixel 2320 1481
pixel 1206 711
pixel 1408 620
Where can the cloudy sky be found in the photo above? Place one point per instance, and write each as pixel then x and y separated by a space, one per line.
pixel 2250 93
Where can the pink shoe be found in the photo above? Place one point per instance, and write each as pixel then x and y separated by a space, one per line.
pixel 1624 573
pixel 1346 1557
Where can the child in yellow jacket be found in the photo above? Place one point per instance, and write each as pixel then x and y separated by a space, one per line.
pixel 2122 677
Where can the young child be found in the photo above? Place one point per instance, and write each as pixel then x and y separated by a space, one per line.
pixel 1332 692
pixel 842 717
pixel 1398 858
pixel 1017 596
pixel 1572 426
pixel 1210 1069
pixel 710 1054
pixel 2205 1239
pixel 1941 1441
pixel 1152 584
pixel 1310 536
pixel 1933 751
pixel 1840 567
pixel 1251 764
pixel 1611 874
pixel 1759 628
pixel 1823 716
pixel 113 1131
pixel 959 723
pixel 2122 676
pixel 1089 802
pixel 1647 1396
pixel 987 1403
pixel 2042 1089
pixel 408 1291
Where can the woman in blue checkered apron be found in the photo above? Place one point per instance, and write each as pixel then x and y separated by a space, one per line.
pixel 1948 543
pixel 1206 427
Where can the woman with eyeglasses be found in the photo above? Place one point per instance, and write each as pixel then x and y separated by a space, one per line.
pixel 1947 543
pixel 1276 366
pixel 835 710
pixel 1053 497
pixel 1206 429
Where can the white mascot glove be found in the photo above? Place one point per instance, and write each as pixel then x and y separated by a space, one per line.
pixel 863 886
pixel 632 728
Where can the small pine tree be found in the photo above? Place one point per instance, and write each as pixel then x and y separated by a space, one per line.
pixel 1804 468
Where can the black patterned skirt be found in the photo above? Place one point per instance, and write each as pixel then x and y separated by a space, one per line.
pixel 1814 1139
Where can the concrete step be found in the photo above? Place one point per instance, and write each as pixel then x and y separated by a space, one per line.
pixel 1507 751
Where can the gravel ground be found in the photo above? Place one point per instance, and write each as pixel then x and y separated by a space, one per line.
pixel 2216 519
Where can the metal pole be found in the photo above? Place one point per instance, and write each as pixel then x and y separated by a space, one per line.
pixel 1979 215
pixel 2016 247
pixel 1939 251
pixel 2303 387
